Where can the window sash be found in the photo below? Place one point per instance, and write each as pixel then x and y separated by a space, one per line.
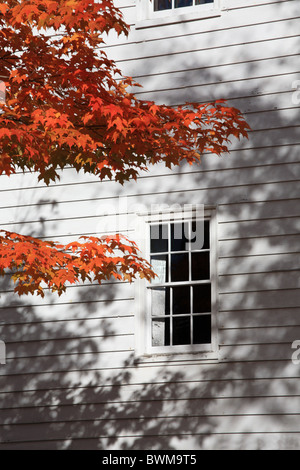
pixel 167 320
pixel 143 340
pixel 163 5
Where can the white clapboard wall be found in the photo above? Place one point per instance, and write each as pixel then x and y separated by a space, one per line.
pixel 71 380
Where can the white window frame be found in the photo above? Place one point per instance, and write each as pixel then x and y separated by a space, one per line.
pixel 143 347
pixel 147 17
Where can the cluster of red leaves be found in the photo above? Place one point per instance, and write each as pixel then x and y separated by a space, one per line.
pixel 68 105
pixel 38 264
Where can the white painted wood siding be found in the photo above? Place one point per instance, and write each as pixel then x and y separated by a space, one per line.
pixel 70 379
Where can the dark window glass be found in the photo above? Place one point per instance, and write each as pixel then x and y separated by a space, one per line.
pixel 181 299
pixel 197 235
pixel 201 329
pixel 200 235
pixel 202 298
pixel 181 330
pixel 162 5
pixel 183 3
pixel 200 266
pixel 179 237
pixel 159 238
pixel 180 267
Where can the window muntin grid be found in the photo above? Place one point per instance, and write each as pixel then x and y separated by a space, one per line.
pixel 181 301
pixel 160 5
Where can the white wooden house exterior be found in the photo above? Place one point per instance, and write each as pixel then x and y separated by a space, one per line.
pixel 78 371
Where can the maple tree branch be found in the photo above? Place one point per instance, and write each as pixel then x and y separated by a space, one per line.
pixel 68 106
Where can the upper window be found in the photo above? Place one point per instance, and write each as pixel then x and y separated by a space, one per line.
pixel 179 306
pixel 171 4
pixel 159 12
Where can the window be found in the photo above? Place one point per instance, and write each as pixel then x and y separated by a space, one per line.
pixel 160 5
pixel 160 12
pixel 179 306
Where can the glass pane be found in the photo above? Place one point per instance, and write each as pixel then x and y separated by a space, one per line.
pixel 162 5
pixel 179 237
pixel 200 266
pixel 202 329
pixel 161 332
pixel 200 2
pixel 181 330
pixel 197 235
pixel 181 300
pixel 180 267
pixel 202 298
pixel 183 3
pixel 159 238
pixel 200 235
pixel 160 301
pixel 160 267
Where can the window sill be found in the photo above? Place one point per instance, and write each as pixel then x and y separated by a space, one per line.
pixel 178 359
pixel 177 18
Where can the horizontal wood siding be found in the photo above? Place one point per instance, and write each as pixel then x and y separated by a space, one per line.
pixel 71 378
